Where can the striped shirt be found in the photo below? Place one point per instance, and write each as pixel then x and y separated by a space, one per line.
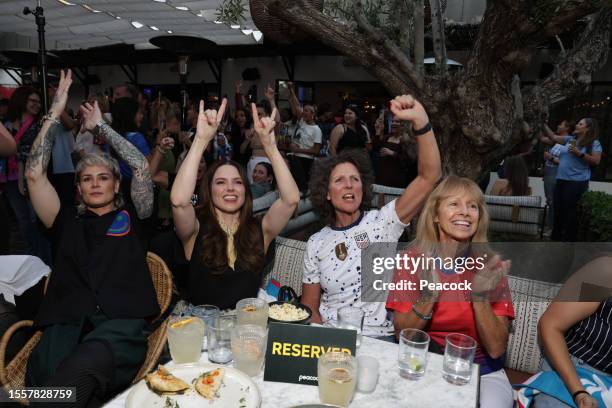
pixel 590 340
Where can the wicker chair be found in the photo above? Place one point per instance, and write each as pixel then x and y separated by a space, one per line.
pixel 13 374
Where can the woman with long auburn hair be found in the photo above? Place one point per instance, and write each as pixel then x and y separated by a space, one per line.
pixel 453 225
pixel 227 248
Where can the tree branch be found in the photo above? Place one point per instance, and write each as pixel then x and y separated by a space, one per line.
pixel 379 37
pixel 511 29
pixel 437 28
pixel 350 43
pixel 574 71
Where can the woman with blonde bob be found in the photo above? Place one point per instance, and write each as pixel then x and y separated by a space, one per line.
pixel 452 233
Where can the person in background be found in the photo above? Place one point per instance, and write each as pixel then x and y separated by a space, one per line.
pixel 580 151
pixel 340 190
pixel 252 142
pixel 4 103
pixel 516 181
pixel 454 222
pixel 326 123
pixel 305 142
pixel 8 147
pixel 125 90
pixel 226 246
pixel 551 164
pixel 223 148
pixel 352 134
pixel 396 164
pixel 263 180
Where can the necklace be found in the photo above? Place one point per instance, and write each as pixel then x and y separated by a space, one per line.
pixel 230 230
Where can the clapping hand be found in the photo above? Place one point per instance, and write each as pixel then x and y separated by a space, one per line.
pixel 91 115
pixel 405 107
pixel 60 96
pixel 209 121
pixel 487 278
pixel 264 127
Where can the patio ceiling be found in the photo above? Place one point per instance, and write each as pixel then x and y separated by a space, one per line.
pixel 83 24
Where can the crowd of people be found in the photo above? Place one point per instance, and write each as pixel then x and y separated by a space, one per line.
pixel 90 206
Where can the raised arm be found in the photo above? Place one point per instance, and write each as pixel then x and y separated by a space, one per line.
pixel 43 196
pixel 141 187
pixel 551 135
pixel 185 221
pixel 280 212
pixel 334 139
pixel 405 107
pixel 296 108
pixel 269 94
pixel 8 146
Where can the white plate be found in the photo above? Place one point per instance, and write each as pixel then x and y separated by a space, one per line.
pixel 237 391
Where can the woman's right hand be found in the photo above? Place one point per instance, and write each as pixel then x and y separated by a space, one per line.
pixel 405 107
pixel 91 115
pixel 60 96
pixel 264 128
pixel 209 121
pixel 586 401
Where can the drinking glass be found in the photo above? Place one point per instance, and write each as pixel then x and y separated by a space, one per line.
pixel 367 376
pixel 252 311
pixel 351 318
pixel 219 334
pixel 249 348
pixel 207 313
pixel 412 357
pixel 337 373
pixel 185 334
pixel 458 358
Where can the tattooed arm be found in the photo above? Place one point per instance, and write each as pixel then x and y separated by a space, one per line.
pixel 141 188
pixel 43 196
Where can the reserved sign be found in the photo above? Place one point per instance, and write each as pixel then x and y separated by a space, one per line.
pixel 293 350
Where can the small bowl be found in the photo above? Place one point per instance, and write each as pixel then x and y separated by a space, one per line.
pixel 299 306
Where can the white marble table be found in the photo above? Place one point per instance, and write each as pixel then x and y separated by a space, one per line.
pixel 392 390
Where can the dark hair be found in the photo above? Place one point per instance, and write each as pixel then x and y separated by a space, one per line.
pixel 570 124
pixel 270 172
pixel 19 102
pixel 130 88
pixel 124 112
pixel 247 114
pixel 360 126
pixel 515 171
pixel 248 239
pixel 4 102
pixel 265 105
pixel 319 182
pixel 591 134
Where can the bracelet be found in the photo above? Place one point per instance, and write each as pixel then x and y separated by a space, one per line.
pixel 49 117
pixel 423 130
pixel 421 315
pixel 574 395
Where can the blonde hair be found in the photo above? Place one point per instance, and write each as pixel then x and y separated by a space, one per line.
pixel 427 234
pixel 99 159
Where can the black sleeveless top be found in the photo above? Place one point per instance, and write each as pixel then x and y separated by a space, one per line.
pixel 100 264
pixel 224 290
pixel 352 139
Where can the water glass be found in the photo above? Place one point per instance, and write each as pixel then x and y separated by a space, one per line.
pixel 207 313
pixel 367 377
pixel 252 311
pixel 458 358
pixel 413 352
pixel 185 335
pixel 219 334
pixel 337 373
pixel 249 348
pixel 351 318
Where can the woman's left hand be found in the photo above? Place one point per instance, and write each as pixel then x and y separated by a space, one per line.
pixel 572 149
pixel 264 127
pixel 487 279
pixel 60 96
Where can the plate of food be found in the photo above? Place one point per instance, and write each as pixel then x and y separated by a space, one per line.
pixel 195 385
pixel 289 312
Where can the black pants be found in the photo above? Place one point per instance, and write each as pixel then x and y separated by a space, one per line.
pixel 565 201
pixel 300 170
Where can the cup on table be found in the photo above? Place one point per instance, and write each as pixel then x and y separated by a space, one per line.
pixel 351 318
pixel 219 334
pixel 185 334
pixel 412 357
pixel 337 373
pixel 207 313
pixel 367 377
pixel 252 311
pixel 249 348
pixel 458 358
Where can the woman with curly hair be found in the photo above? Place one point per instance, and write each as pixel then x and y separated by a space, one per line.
pixel 340 193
